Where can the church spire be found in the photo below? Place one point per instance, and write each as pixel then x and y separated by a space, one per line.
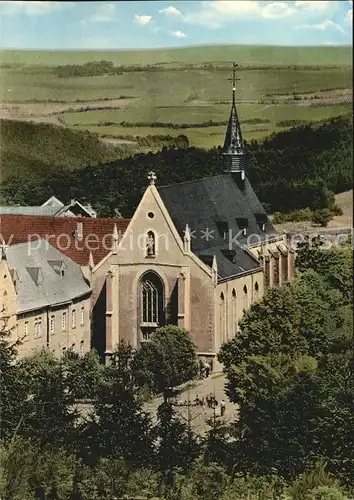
pixel 234 153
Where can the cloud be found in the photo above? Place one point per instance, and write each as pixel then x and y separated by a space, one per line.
pixel 142 19
pixel 276 10
pixel 171 11
pixel 323 26
pixel 213 14
pixel 349 16
pixel 178 34
pixel 104 14
pixel 315 5
pixel 33 8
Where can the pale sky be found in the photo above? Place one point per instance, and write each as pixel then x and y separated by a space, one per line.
pixel 127 25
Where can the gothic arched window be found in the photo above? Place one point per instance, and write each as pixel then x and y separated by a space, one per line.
pixel 245 297
pixel 151 299
pixel 256 291
pixel 222 318
pixel 234 311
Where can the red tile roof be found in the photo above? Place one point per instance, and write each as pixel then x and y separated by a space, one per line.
pixel 60 233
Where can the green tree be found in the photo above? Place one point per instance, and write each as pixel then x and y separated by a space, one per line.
pixel 169 359
pixel 120 427
pixel 321 217
pixel 51 414
pixel 176 448
pixel 335 264
pixel 83 374
pixel 13 388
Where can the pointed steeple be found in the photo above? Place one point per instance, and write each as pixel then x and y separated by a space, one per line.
pixel 91 261
pixel 115 238
pixel 234 153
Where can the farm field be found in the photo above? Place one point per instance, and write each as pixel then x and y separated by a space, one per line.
pixel 255 54
pixel 279 87
pixel 257 120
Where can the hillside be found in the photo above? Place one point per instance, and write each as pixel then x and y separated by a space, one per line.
pixel 295 169
pixel 243 54
pixel 30 149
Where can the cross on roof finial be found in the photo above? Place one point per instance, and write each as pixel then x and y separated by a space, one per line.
pixel 152 177
pixel 234 79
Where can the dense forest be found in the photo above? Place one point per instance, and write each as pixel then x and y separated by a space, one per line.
pixel 296 169
pixel 36 149
pixel 289 368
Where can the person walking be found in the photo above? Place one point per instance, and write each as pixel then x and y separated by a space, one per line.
pixel 222 408
pixel 201 369
pixel 207 369
pixel 208 400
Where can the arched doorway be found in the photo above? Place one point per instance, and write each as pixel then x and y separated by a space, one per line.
pixel 151 304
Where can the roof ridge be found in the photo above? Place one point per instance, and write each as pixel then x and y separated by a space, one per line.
pixel 70 219
pixel 191 181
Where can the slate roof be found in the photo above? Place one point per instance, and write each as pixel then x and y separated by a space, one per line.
pixel 60 232
pixel 38 282
pixel 206 205
pixel 64 210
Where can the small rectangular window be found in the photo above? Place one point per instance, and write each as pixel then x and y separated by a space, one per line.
pixel 63 321
pixel 223 228
pixel 38 327
pixel 242 223
pixel 25 331
pixel 52 324
pixel 82 316
pixel 261 220
pixel 73 319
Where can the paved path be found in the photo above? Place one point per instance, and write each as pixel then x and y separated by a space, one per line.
pixel 214 384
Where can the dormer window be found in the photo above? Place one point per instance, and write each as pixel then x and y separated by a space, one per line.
pixel 58 266
pixel 230 254
pixel 35 273
pixel 261 220
pixel 242 223
pixel 223 228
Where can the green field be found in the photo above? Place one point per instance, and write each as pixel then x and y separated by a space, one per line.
pixel 279 86
pixel 272 115
pixel 243 54
pixel 169 87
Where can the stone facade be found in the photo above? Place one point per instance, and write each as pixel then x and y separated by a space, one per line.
pixel 194 296
pixel 32 316
pixel 61 328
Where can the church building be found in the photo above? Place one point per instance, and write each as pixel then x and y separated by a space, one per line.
pixel 195 254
